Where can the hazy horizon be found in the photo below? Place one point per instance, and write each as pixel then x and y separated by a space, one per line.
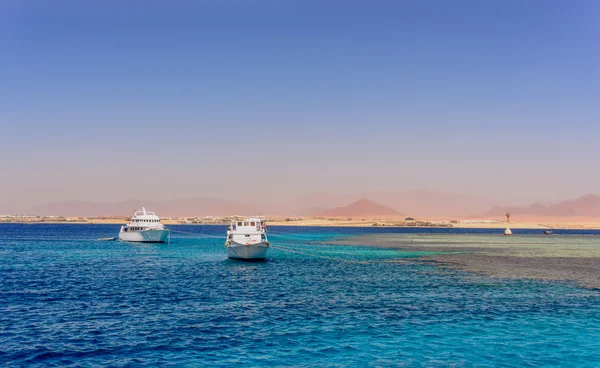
pixel 273 101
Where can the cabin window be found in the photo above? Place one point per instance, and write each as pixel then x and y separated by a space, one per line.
pixel 253 224
pixel 239 224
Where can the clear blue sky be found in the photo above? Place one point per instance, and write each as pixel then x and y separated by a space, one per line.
pixel 188 98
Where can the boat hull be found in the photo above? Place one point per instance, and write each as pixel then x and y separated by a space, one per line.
pixel 256 251
pixel 145 236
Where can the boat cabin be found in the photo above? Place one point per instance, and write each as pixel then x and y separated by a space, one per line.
pixel 249 225
pixel 248 231
pixel 142 220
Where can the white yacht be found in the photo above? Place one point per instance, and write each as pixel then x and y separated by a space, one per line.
pixel 146 227
pixel 247 239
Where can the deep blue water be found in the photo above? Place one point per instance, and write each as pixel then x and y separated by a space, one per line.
pixel 67 299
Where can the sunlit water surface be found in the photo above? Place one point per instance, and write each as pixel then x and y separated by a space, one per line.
pixel 67 299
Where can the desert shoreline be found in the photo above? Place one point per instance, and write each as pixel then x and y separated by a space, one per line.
pixel 529 225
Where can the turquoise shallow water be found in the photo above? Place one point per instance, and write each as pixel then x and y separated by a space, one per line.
pixel 66 299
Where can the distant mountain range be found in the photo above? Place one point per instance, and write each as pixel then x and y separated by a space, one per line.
pixel 177 207
pixel 586 206
pixel 418 203
pixel 412 202
pixel 361 208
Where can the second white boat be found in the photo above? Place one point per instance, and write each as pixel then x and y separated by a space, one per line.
pixel 247 240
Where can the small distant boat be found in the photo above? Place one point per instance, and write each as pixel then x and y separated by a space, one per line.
pixel 547 232
pixel 144 227
pixel 107 239
pixel 247 240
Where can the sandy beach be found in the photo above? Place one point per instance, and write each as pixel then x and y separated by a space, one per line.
pixel 541 223
pixel 547 223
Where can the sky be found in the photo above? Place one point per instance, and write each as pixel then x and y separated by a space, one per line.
pixel 274 99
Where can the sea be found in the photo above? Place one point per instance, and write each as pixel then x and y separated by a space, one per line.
pixel 69 300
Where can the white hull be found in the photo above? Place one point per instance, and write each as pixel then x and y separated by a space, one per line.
pixel 146 236
pixel 251 251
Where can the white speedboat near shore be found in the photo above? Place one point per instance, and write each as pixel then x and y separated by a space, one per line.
pixel 144 227
pixel 247 240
